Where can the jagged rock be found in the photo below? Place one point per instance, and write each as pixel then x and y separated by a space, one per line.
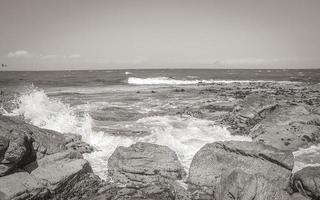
pixel 216 160
pixel 307 182
pixel 21 185
pixel 84 187
pixel 144 162
pixel 48 172
pixel 288 128
pixel 242 186
pixel 15 150
pixel 44 142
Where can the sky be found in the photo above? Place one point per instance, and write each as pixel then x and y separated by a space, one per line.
pixel 104 34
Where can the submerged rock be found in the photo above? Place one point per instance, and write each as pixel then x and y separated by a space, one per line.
pixel 74 142
pixel 217 160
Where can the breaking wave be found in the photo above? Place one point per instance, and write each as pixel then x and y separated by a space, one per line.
pixel 184 135
pixel 172 81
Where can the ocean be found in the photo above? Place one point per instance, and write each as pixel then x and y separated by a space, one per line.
pixel 109 108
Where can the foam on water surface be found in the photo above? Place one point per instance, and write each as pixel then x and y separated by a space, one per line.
pixel 172 81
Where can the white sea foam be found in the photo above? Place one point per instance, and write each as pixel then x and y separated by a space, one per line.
pixel 184 135
pixel 171 81
pixel 306 157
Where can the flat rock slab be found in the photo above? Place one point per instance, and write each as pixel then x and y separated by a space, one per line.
pixel 217 160
pixel 21 185
pixel 288 128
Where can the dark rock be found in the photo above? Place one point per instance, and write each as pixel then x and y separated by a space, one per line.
pixel 191 112
pixel 179 90
pixel 15 150
pixel 307 182
pixel 74 142
pixel 216 160
pixel 242 186
pixel 219 106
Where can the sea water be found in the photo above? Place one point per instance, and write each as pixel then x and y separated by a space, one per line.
pixel 118 108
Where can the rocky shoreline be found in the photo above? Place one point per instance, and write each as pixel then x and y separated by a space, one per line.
pixel 38 163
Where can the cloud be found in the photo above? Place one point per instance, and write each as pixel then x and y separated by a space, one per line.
pixel 74 56
pixel 48 56
pixel 19 54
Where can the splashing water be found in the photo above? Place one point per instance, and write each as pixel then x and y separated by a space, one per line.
pixel 184 135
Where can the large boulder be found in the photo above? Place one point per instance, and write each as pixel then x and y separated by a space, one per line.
pixel 288 128
pixel 217 160
pixel 307 182
pixel 144 162
pixel 145 171
pixel 242 186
